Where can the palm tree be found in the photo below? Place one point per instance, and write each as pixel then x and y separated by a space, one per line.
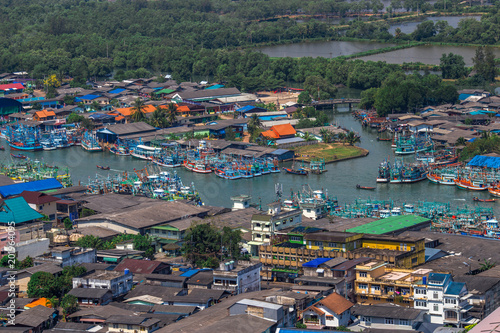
pixel 326 135
pixel 352 138
pixel 158 118
pixel 138 115
pixel 461 141
pixel 172 113
pixel 96 106
pixel 485 135
pixel 341 137
pixel 254 123
pixel 308 137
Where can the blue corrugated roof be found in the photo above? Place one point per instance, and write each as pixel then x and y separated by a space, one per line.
pixel 462 97
pixel 31 99
pixel 316 262
pixel 437 278
pixel 217 86
pixel 89 97
pixel 485 161
pixel 454 288
pixel 116 91
pixel 190 273
pixel 38 185
pixel 17 210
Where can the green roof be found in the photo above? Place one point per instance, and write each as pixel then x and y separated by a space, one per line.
pixel 389 224
pixel 165 227
pixel 17 210
pixel 164 91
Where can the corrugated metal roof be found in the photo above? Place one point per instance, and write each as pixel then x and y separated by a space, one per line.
pixel 252 302
pixel 389 224
pixel 316 262
pixel 116 91
pixel 190 273
pixel 17 210
pixel 485 161
pixel 38 185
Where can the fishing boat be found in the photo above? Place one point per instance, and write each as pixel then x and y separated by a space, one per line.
pixel 299 172
pixel 442 178
pixel 198 167
pixel 474 185
pixel 407 173
pixel 21 156
pixel 102 167
pixel 359 187
pixel 483 200
pixel 90 143
pixel 145 152
pixel 2 148
pixel 384 172
pixel 494 191
pixel 167 161
pixel 120 151
pixel 228 173
pixel 26 146
pixel 384 139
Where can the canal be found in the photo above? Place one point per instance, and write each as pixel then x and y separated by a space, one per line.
pixel 340 180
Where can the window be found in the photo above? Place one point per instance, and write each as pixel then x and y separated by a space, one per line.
pixel 129 327
pixel 404 322
pixel 414 260
pixel 436 307
pixel 376 298
pixel 363 286
pixel 268 236
pixel 281 258
pixel 164 232
pixel 366 319
pixel 329 317
pixel 422 304
pixel 363 274
pixel 295 238
pixel 420 291
pixel 364 297
pixel 115 325
pixel 389 289
pixel 257 225
pixel 436 295
pixel 332 244
pixel 258 236
pixel 390 300
pixel 389 321
pixel 450 301
pixel 318 243
pixel 376 287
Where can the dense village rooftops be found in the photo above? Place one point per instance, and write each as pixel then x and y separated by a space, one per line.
pixel 37 185
pixel 199 296
pixel 101 275
pixel 34 317
pixel 316 262
pixel 157 291
pixel 38 197
pixel 386 311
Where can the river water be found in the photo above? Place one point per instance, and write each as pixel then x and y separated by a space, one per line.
pixel 340 180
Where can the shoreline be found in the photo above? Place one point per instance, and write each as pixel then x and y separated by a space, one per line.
pixel 362 152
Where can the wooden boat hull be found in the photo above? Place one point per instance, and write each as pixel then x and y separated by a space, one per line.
pixel 194 169
pixel 471 187
pixel 166 165
pixel 23 148
pixel 19 156
pixel 295 172
pixel 102 168
pixel 494 192
pixel 408 181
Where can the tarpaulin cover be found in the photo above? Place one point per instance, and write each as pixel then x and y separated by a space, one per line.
pixel 485 161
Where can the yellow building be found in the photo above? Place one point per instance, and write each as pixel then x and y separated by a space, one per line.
pixel 377 283
pixel 398 243
pixel 333 241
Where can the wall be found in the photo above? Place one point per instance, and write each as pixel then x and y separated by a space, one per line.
pixel 49 209
pixel 32 248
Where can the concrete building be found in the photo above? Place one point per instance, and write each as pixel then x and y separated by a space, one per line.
pixel 273 312
pixel 331 311
pixel 92 296
pixel 68 256
pixel 119 283
pixel 237 278
pixel 43 203
pixel 444 300
pixel 132 324
pixel 264 226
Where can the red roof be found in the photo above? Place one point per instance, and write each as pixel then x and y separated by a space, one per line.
pixel 13 86
pixel 279 131
pixel 269 134
pixel 38 198
pixel 336 303
pixel 137 266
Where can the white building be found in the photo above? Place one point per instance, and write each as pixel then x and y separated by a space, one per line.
pixel 119 283
pixel 388 317
pixel 264 226
pixel 237 278
pixel 444 300
pixel 331 311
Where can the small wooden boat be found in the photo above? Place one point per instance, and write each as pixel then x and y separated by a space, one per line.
pixel 102 167
pixel 359 187
pixel 384 139
pixel 483 200
pixel 2 148
pixel 21 156
pixel 299 172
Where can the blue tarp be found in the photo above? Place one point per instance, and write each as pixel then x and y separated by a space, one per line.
pixel 89 97
pixel 485 161
pixel 116 91
pixel 38 185
pixel 192 272
pixel 251 108
pixel 217 86
pixel 316 262
pixel 462 97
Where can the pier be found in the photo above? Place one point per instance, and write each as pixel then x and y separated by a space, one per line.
pixel 332 103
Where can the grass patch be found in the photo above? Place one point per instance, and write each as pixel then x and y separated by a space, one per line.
pixel 331 152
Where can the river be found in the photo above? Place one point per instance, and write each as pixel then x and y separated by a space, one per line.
pixel 340 180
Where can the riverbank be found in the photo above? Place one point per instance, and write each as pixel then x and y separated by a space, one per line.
pixel 330 152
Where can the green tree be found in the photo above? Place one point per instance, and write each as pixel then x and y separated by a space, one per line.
pixel 87 124
pixel 254 124
pixel 158 118
pixel 41 284
pixel 368 98
pixel 7 262
pixel 69 100
pixel 484 63
pixel 74 118
pixel 304 98
pixel 351 138
pixel 319 87
pixel 90 241
pixel 68 225
pixel 69 304
pixel 326 135
pixel 96 106
pixel 172 114
pixel 461 141
pixel 26 263
pixel 452 66
pixel 230 134
pixel 201 242
pixel 138 114
pixel 86 212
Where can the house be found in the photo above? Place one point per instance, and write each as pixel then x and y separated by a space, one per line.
pixel 92 296
pixel 43 203
pixel 388 317
pixel 68 256
pixel 202 279
pixel 44 115
pixel 132 324
pixel 11 88
pixel 152 294
pixel 137 266
pixel 237 278
pixel 331 311
pixel 277 132
pixel 119 283
pixel 445 300
pixel 201 298
pixel 282 315
pixel 24 276
pixel 38 318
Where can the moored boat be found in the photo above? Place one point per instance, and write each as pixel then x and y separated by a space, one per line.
pixel 474 185
pixel 198 166
pixel 102 167
pixel 21 156
pixel 145 152
pixel 299 172
pixel 359 187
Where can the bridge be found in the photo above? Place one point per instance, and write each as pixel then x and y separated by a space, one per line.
pixel 335 102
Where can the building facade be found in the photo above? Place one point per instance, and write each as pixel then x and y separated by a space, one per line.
pixel 238 277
